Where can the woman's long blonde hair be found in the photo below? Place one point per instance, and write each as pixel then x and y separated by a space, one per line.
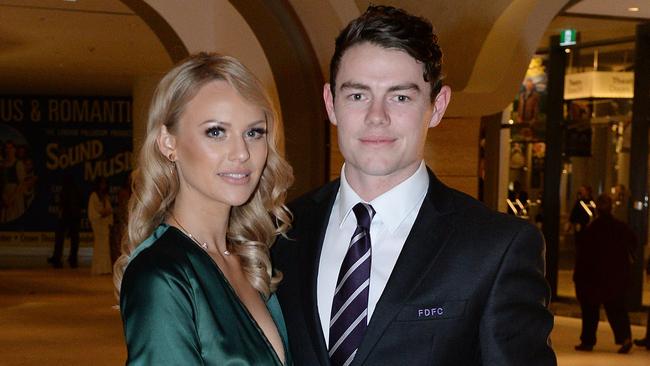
pixel 253 226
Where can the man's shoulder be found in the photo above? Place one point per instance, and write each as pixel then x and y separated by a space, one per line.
pixel 475 212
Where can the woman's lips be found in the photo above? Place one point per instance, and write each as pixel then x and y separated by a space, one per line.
pixel 236 177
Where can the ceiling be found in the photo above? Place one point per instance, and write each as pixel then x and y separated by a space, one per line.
pixel 85 47
pixel 601 20
pixel 612 8
pixel 90 47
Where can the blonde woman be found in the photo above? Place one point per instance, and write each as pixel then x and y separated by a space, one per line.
pixel 195 279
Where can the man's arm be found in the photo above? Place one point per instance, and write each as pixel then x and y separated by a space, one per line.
pixel 516 322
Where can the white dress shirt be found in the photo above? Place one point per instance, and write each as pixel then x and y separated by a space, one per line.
pixel 396 211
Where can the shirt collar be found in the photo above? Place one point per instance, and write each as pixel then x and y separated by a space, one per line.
pixel 391 207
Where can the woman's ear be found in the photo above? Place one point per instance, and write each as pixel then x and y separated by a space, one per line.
pixel 167 143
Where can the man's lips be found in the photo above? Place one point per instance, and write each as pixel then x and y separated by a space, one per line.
pixel 377 140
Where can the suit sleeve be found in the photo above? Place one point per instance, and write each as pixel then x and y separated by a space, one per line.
pixel 158 317
pixel 516 323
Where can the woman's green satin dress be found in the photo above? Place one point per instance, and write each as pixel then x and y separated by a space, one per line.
pixel 178 309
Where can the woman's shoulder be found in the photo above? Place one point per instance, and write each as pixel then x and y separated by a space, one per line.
pixel 161 255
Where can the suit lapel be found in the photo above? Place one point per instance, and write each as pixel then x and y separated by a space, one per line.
pixel 427 238
pixel 311 245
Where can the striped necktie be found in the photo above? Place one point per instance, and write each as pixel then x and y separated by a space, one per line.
pixel 350 304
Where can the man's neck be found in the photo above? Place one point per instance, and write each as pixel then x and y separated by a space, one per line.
pixel 369 187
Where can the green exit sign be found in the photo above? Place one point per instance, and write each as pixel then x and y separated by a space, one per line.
pixel 568 37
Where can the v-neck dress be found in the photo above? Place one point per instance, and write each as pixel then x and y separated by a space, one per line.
pixel 178 309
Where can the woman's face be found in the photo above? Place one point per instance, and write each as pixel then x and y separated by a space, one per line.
pixel 219 145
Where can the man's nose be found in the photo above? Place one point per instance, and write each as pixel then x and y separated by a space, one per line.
pixel 377 113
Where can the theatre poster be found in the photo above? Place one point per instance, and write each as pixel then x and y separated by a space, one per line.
pixel 44 138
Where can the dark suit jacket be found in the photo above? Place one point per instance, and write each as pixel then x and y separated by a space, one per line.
pixel 468 287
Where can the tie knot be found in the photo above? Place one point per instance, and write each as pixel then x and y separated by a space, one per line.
pixel 364 213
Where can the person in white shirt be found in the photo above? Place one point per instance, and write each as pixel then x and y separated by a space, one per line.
pixel 387 265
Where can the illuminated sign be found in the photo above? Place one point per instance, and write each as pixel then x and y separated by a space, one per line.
pixel 568 37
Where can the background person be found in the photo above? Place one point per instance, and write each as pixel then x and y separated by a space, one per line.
pixel 602 275
pixel 528 107
pixel 208 201
pixel 68 222
pixel 13 203
pixel 120 219
pixel 100 214
pixel 582 211
pixel 645 342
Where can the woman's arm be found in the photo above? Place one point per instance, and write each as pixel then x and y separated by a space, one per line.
pixel 158 316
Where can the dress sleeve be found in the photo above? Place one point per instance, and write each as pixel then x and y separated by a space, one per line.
pixel 94 207
pixel 516 323
pixel 158 315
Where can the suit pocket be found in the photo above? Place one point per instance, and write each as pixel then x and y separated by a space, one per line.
pixel 433 311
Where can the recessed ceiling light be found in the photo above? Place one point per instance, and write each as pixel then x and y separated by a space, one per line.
pixel 635 9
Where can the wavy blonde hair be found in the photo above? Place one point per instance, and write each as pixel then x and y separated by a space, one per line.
pixel 252 227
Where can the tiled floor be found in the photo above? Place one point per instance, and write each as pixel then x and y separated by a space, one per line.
pixel 566 334
pixel 64 317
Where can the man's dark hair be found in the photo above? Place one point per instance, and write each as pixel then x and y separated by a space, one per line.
pixel 393 28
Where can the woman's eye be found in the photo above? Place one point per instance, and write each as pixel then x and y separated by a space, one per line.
pixel 256 133
pixel 215 132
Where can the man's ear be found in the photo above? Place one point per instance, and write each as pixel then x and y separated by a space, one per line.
pixel 329 103
pixel 440 106
pixel 167 143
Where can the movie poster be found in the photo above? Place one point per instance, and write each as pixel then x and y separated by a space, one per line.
pixel 43 138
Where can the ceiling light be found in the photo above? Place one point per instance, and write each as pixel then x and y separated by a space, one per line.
pixel 567 50
pixel 635 9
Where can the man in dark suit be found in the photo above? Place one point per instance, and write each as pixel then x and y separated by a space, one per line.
pixel 602 275
pixel 387 265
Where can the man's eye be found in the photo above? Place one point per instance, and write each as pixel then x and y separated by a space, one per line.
pixel 214 132
pixel 356 96
pixel 403 98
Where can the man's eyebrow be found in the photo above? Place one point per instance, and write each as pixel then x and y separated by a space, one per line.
pixel 399 87
pixel 354 85
pixel 408 86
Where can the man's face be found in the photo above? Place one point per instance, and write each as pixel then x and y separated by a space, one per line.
pixel 582 192
pixel 382 110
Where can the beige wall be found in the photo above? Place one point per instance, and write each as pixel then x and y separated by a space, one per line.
pixel 452 153
pixel 204 25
